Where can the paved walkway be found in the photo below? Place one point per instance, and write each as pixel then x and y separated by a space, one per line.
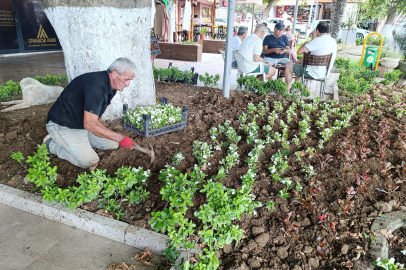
pixel 29 242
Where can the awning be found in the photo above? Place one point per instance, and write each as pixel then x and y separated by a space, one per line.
pixel 257 2
pixel 293 2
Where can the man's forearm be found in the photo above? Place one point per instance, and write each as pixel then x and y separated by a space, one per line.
pixel 268 51
pixel 300 51
pixel 101 131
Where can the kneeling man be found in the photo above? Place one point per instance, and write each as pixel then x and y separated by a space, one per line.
pixel 73 122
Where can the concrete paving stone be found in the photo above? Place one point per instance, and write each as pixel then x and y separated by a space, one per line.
pixel 51 229
pixel 22 249
pixel 73 257
pixel 117 252
pixel 18 222
pixel 139 266
pixel 96 224
pixel 44 265
pixel 82 241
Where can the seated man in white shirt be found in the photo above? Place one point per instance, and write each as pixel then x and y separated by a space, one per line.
pixel 321 45
pixel 251 50
pixel 237 39
pixel 196 20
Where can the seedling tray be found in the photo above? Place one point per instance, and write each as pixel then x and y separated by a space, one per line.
pixel 147 132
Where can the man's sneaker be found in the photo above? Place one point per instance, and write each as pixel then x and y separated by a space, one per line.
pixel 47 139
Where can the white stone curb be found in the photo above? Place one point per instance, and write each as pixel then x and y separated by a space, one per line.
pixel 83 220
pixel 335 91
pixel 379 248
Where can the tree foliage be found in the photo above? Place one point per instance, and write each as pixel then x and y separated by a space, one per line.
pixel 382 8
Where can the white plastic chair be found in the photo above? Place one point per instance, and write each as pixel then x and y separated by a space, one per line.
pixel 241 61
pixel 223 54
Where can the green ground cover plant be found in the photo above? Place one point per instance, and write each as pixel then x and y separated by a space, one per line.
pixel 57 80
pixel 172 73
pixel 209 80
pixel 129 185
pixel 8 91
pixel 354 80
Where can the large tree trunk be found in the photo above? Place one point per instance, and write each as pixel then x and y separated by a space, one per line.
pixel 337 12
pixel 94 33
pixel 386 29
pixel 271 3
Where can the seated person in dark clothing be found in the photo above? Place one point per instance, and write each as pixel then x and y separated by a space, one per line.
pixel 276 46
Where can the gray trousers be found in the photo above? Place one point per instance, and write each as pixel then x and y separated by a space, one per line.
pixel 76 145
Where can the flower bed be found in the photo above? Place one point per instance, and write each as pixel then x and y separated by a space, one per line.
pixel 309 202
pixel 155 120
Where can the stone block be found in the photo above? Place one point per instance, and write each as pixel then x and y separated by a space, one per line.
pixel 8 194
pixel 93 223
pixel 142 238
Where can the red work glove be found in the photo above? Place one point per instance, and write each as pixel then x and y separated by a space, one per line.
pixel 127 143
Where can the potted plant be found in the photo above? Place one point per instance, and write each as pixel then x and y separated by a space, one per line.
pixel 202 33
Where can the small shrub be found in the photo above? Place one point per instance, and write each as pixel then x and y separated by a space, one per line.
pixel 209 80
pixel 52 80
pixel 9 90
pixel 392 76
pixel 359 41
pixel 340 63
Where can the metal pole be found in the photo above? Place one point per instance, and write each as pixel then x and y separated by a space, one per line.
pixel 316 11
pixel 295 18
pixel 310 15
pixel 229 49
pixel 252 19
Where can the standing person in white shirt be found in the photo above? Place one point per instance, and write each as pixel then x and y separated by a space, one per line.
pixel 237 39
pixel 251 50
pixel 321 45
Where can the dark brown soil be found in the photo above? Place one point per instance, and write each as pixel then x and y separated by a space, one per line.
pixel 22 130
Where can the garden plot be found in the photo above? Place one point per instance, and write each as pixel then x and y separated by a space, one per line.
pixel 296 183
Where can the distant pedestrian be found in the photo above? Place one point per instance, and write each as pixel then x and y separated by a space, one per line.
pixel 237 39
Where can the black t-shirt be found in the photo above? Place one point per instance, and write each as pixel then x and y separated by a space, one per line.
pixel 88 92
pixel 273 42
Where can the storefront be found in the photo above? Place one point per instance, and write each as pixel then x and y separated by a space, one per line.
pixel 24 27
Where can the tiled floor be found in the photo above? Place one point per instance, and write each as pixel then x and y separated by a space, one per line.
pixel 29 242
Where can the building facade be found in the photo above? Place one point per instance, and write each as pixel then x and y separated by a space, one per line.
pixel 24 27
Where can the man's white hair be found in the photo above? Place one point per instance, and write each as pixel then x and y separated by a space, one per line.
pixel 121 65
pixel 260 28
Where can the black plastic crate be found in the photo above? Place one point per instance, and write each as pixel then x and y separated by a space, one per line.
pixel 194 78
pixel 147 123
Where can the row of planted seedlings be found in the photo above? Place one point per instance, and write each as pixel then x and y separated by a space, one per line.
pixel 128 186
pixel 278 86
pixel 225 205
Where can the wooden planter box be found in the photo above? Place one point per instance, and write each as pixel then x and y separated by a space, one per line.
pixel 185 52
pixel 213 46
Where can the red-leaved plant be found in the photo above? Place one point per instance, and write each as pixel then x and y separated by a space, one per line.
pixel 321 251
pixel 326 222
pixel 306 202
pixel 324 160
pixel 346 152
pixel 289 227
pixel 344 207
pixel 380 136
pixel 362 181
